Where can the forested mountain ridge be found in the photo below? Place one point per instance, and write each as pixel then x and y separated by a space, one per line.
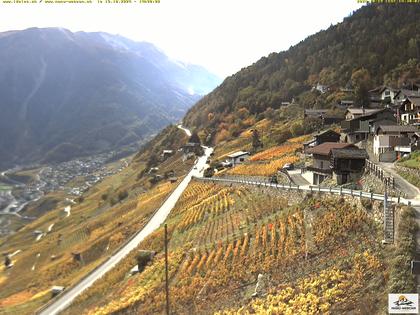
pixel 383 39
pixel 65 94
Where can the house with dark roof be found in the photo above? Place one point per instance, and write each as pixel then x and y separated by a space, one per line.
pixel 327 116
pixel 408 111
pixel 361 126
pixel 398 139
pixel 343 162
pixel 403 94
pixel 328 135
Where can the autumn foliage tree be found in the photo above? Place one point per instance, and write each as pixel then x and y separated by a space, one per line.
pixel 361 82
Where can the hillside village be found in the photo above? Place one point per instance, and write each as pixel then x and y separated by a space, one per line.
pixel 352 138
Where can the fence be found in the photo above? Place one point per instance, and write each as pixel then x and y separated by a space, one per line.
pixel 376 170
pixel 338 191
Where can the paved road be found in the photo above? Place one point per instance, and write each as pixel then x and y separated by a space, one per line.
pixel 411 191
pixel 187 131
pixel 160 216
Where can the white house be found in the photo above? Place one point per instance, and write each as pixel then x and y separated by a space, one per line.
pixel 401 139
pixel 388 93
pixel 238 157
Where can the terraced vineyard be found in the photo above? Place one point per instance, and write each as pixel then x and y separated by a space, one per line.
pixel 268 162
pixel 313 253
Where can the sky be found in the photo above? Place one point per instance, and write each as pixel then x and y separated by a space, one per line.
pixel 221 35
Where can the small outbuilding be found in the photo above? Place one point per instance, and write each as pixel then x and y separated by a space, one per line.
pixel 238 157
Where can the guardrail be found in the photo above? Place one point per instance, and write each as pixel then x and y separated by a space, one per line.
pixel 388 218
pixel 310 188
pixel 377 171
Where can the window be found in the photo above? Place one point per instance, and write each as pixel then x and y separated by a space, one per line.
pixel 241 159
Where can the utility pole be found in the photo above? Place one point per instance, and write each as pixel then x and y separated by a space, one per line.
pixel 166 270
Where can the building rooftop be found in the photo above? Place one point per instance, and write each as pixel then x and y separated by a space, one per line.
pixel 363 111
pixel 414 99
pixel 326 147
pixel 397 128
pixel 328 131
pixel 407 92
pixel 349 153
pixel 238 154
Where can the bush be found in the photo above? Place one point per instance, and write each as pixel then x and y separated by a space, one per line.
pixel 122 195
pixel 143 258
pixel 112 201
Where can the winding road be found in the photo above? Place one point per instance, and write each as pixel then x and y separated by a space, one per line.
pixel 67 297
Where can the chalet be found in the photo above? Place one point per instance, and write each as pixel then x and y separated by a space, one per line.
pixel 238 157
pixel 321 137
pixel 343 162
pixel 403 94
pixel 395 138
pixel 408 112
pixel 352 113
pixel 387 94
pixel 360 127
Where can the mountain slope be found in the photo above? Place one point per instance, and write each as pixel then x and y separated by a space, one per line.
pixel 378 38
pixel 65 94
